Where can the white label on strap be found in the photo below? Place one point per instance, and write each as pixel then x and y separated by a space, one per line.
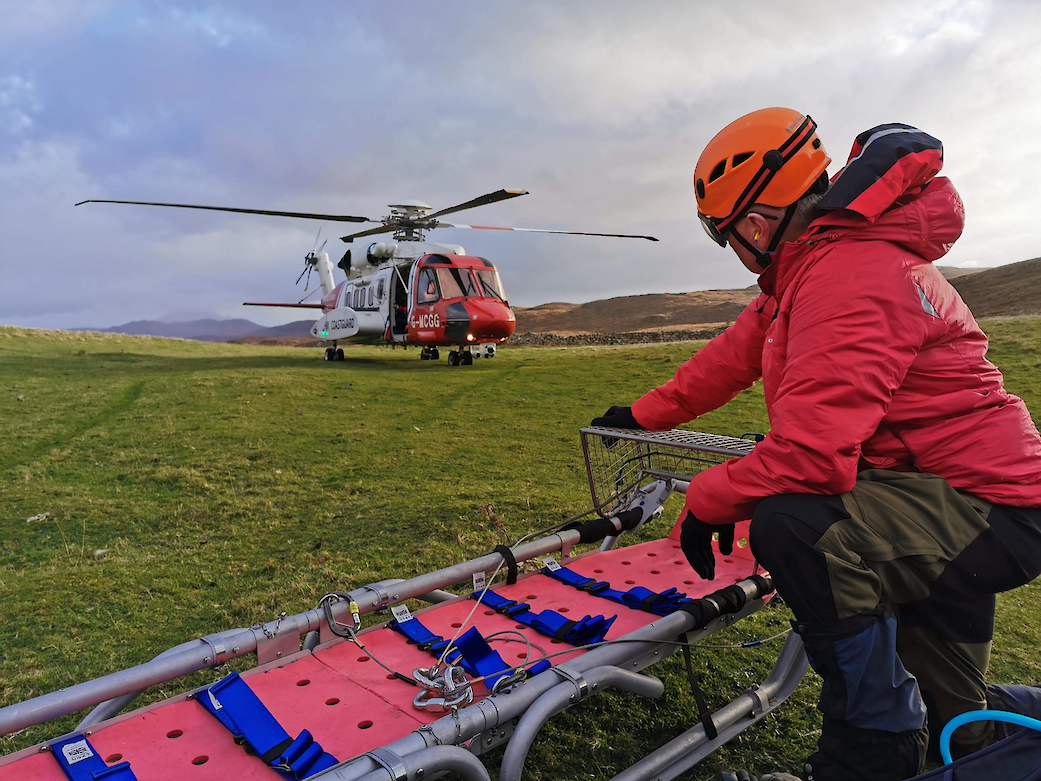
pixel 480 583
pixel 214 701
pixel 551 564
pixel 401 613
pixel 76 752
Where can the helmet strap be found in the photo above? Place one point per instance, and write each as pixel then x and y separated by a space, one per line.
pixel 762 257
pixel 789 212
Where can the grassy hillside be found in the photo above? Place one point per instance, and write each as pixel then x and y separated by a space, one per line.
pixel 196 487
pixel 1006 291
pixel 674 311
pixel 653 311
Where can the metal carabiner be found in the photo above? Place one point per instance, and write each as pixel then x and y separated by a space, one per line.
pixel 505 682
pixel 452 686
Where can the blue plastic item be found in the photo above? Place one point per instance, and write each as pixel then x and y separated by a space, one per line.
pixel 79 761
pixel 981 715
pixel 238 708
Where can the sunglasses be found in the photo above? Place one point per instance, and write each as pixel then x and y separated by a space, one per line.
pixel 714 233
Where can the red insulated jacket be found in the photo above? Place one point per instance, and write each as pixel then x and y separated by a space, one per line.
pixel 868 356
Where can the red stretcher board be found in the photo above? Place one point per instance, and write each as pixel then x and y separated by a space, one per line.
pixel 352 705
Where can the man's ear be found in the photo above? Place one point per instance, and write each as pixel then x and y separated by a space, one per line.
pixel 761 228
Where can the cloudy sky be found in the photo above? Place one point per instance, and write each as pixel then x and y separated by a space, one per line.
pixel 599 109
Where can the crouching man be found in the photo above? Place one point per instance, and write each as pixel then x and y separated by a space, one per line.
pixel 899 488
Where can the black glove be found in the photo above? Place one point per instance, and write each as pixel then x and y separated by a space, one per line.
pixel 696 542
pixel 617 417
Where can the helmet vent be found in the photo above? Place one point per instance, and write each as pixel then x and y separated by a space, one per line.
pixel 699 188
pixel 738 159
pixel 717 172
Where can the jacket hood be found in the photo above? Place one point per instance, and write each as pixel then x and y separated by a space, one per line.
pixel 889 190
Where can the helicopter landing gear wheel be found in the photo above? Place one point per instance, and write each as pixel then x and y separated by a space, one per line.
pixel 466 359
pixel 339 353
pixel 329 355
pixel 435 355
pixel 453 358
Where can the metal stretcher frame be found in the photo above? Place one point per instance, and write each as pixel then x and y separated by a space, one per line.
pixel 515 714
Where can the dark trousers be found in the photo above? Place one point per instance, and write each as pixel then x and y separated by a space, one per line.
pixel 898 576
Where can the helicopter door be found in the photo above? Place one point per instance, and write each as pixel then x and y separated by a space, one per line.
pixel 424 319
pixel 399 306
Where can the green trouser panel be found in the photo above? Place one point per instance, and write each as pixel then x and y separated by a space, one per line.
pixel 951 677
pixel 903 531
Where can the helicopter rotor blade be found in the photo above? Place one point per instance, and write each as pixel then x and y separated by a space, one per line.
pixel 371 232
pixel 316 239
pixel 543 230
pixel 495 197
pixel 269 212
pixel 323 246
pixel 307 267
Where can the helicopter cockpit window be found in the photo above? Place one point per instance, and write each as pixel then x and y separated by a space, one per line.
pixel 491 283
pixel 457 283
pixel 426 287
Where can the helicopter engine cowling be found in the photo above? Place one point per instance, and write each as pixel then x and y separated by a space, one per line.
pixel 377 253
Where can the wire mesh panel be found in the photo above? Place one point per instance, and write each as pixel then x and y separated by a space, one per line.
pixel 619 461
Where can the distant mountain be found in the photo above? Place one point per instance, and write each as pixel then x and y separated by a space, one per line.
pixel 208 330
pixel 296 328
pixel 187 315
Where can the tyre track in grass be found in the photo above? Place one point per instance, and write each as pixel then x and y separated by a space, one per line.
pixel 464 391
pixel 24 456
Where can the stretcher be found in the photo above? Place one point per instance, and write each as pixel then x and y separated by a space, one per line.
pixel 525 632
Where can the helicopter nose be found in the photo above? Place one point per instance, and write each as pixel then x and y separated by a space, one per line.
pixel 490 321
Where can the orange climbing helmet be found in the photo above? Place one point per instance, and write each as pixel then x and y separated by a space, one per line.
pixel 771 156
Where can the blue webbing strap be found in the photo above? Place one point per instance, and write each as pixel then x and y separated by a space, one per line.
pixel 80 762
pixel 235 705
pixel 590 629
pixel 487 662
pixel 427 641
pixel 477 658
pixel 600 588
pixel 638 597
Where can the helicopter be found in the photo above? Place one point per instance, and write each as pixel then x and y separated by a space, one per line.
pixel 407 292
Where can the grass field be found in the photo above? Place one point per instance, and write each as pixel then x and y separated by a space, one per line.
pixel 196 487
